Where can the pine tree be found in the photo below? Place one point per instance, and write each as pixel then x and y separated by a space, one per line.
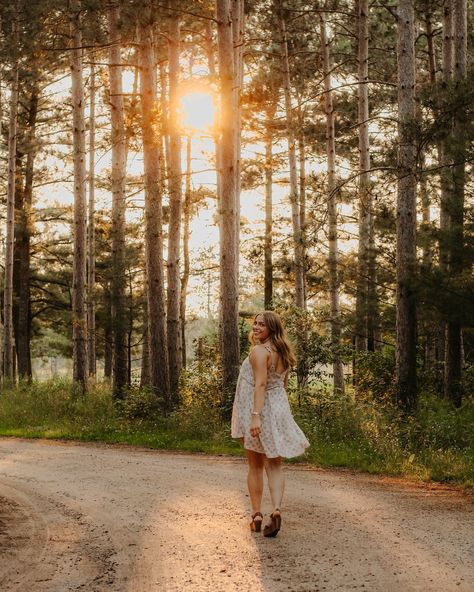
pixel 174 233
pixel 120 361
pixel 80 207
pixel 8 355
pixel 228 205
pixel 91 332
pixel 406 386
pixel 338 370
pixel 158 350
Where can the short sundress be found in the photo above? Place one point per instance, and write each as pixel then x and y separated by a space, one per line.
pixel 280 435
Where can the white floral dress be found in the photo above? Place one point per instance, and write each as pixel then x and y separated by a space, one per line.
pixel 280 434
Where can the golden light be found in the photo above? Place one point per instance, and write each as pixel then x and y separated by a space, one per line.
pixel 198 110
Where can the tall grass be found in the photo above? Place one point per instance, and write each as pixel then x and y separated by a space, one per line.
pixel 436 442
pixel 54 409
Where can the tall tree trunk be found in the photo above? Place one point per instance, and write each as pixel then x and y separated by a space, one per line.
pixel 425 194
pixel 365 206
pixel 444 146
pixel 108 335
pixel 268 244
pixel 145 367
pixel 302 189
pixel 406 386
pixel 186 262
pixel 8 355
pixel 238 25
pixel 79 320
pixel 165 139
pixel 130 327
pixel 21 271
pixel 429 328
pixel 212 73
pixel 295 208
pixel 91 346
pixel 444 160
pixel 158 350
pixel 119 315
pixel 453 360
pixel 230 351
pixel 174 233
pixel 338 369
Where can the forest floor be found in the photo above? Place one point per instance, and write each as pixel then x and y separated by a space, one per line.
pixel 117 518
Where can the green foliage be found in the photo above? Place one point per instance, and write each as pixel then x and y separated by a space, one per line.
pixel 375 373
pixel 307 329
pixel 139 403
pixel 436 442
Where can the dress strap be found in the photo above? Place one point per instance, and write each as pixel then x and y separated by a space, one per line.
pixel 269 349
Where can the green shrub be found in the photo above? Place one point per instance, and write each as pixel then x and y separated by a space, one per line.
pixel 140 403
pixel 375 374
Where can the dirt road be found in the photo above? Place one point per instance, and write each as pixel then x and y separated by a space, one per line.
pixel 94 518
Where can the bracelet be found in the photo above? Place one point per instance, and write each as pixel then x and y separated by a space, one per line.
pixel 255 413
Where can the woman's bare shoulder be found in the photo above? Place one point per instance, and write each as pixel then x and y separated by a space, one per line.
pixel 259 353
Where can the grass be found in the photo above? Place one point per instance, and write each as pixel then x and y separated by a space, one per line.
pixel 434 444
pixel 52 410
pixel 437 443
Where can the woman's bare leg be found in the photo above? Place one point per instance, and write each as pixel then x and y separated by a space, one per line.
pixel 255 479
pixel 276 481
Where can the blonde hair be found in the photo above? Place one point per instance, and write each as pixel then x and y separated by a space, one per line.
pixel 278 338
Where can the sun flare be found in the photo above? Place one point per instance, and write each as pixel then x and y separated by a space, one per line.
pixel 198 110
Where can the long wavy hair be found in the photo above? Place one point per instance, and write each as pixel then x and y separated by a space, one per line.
pixel 278 337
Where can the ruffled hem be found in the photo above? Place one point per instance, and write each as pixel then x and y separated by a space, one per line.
pixel 280 436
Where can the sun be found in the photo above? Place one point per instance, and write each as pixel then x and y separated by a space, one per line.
pixel 198 111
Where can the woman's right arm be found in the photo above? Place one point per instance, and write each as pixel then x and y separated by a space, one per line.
pixel 258 361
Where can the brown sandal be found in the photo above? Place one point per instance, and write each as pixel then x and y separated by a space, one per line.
pixel 256 525
pixel 271 530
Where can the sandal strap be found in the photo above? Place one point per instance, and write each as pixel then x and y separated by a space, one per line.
pixel 257 514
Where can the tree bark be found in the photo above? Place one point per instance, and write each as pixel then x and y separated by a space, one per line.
pixel 186 262
pixel 21 271
pixel 365 205
pixel 444 146
pixel 338 369
pixel 174 233
pixel 91 346
pixel 302 190
pixel 145 367
pixel 79 321
pixel 455 204
pixel 268 244
pixel 229 212
pixel 238 26
pixel 8 354
pixel 295 208
pixel 108 336
pixel 119 282
pixel 406 383
pixel 444 160
pixel 165 136
pixel 212 73
pixel 159 367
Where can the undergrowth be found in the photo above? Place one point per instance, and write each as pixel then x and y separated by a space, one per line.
pixel 366 433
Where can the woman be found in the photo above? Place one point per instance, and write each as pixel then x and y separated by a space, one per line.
pixel 261 416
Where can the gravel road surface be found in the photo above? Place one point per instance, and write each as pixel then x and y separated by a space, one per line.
pixel 95 517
